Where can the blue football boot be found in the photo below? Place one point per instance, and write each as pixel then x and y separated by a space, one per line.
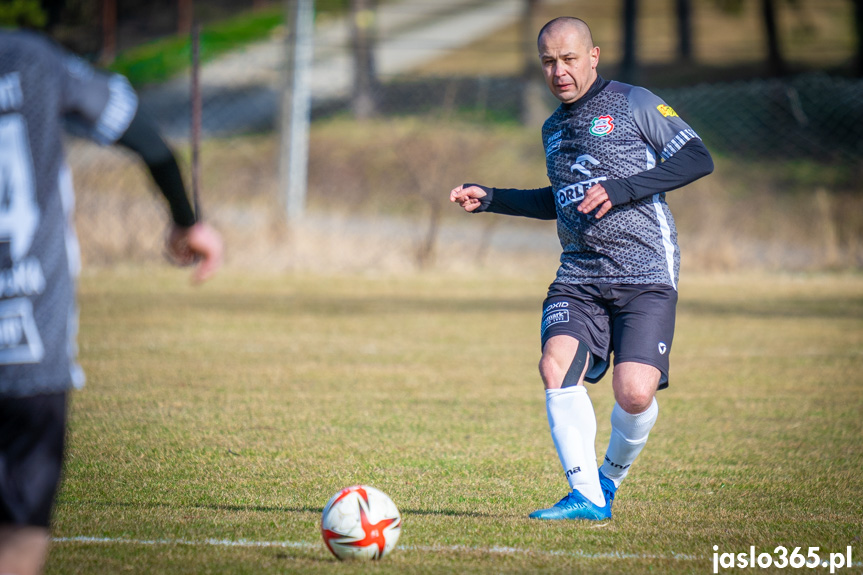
pixel 574 506
pixel 608 490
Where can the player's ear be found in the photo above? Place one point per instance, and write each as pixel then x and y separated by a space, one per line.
pixel 594 57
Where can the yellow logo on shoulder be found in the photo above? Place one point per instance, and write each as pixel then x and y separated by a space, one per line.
pixel 666 110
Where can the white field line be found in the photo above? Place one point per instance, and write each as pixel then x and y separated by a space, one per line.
pixel 421 548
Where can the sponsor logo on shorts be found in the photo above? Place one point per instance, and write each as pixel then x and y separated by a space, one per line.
pixel 553 317
pixel 602 126
pixel 662 348
pixel 556 305
pixel 666 110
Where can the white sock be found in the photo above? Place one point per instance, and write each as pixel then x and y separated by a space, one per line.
pixel 573 429
pixel 628 435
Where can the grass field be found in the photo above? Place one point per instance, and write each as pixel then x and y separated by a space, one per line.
pixel 219 420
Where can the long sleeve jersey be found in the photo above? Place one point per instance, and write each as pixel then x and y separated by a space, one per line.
pixel 636 146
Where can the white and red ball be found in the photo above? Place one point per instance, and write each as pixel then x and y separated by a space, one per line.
pixel 360 522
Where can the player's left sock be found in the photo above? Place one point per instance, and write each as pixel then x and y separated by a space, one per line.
pixel 628 436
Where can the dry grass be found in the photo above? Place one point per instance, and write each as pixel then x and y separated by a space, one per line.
pixel 234 411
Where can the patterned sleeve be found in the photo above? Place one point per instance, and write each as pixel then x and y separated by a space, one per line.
pixel 658 123
pixel 99 104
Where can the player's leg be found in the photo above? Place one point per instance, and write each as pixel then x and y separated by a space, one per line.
pixel 32 434
pixel 23 549
pixel 633 416
pixel 643 329
pixel 571 417
pixel 569 341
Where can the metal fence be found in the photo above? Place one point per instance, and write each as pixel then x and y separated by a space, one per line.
pixel 811 116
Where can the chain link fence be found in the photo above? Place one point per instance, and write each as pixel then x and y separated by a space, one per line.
pixel 786 193
pixel 813 116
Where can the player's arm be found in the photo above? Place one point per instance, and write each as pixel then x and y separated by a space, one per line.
pixel 104 108
pixel 189 240
pixel 142 137
pixel 686 159
pixel 690 163
pixel 537 203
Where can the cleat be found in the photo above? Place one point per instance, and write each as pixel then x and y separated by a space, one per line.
pixel 574 506
pixel 608 490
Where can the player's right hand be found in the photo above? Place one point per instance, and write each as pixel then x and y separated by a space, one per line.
pixel 199 244
pixel 467 196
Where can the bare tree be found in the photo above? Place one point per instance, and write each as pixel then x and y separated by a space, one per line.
pixel 858 28
pixel 363 41
pixel 630 17
pixel 775 61
pixel 109 32
pixel 185 15
pixel 533 108
pixel 683 9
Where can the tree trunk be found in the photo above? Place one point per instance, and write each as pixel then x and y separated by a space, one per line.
pixel 185 15
pixel 630 17
pixel 858 28
pixel 775 62
pixel 363 41
pixel 684 30
pixel 109 32
pixel 533 108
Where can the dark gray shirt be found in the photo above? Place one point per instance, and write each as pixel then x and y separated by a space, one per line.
pixel 616 135
pixel 41 88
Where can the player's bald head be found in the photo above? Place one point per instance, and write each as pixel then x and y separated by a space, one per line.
pixel 565 25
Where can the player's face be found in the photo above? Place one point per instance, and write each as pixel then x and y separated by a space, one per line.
pixel 568 63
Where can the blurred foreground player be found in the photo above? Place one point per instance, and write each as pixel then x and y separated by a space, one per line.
pixel 612 151
pixel 43 89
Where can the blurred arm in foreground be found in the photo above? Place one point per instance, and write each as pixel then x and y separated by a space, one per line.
pixel 189 240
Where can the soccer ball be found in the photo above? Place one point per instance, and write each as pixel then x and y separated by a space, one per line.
pixel 360 522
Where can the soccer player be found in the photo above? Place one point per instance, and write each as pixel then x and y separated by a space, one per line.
pixel 41 87
pixel 612 151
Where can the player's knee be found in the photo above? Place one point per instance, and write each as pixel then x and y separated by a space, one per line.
pixel 635 401
pixel 556 374
pixel 550 372
pixel 635 386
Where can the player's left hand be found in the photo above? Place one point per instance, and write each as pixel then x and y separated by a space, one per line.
pixel 199 244
pixel 594 197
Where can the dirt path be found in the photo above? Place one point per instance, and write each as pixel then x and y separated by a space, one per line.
pixel 241 88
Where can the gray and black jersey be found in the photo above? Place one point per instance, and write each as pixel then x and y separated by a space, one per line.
pixel 619 132
pixel 41 89
pixel 637 147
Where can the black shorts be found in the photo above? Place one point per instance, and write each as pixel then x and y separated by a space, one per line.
pixel 32 434
pixel 635 321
